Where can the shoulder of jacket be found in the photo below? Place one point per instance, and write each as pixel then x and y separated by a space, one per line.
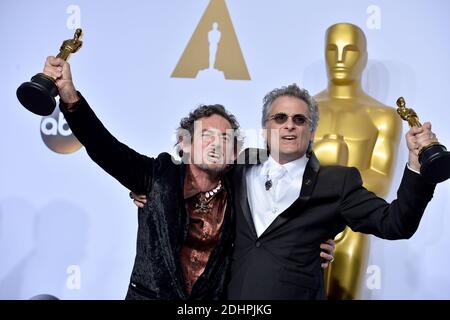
pixel 165 159
pixel 337 170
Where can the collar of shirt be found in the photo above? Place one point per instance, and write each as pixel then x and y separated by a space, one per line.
pixel 294 169
pixel 190 189
pixel 265 205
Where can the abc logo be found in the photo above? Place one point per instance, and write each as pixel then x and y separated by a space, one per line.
pixel 56 134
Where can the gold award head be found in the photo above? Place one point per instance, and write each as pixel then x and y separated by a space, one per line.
pixel 345 52
pixel 401 102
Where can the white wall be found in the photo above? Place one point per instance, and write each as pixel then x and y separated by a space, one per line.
pixel 58 211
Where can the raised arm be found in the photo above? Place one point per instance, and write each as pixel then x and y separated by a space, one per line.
pixel 130 168
pixel 367 213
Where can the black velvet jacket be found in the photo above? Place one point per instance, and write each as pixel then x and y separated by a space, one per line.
pixel 163 222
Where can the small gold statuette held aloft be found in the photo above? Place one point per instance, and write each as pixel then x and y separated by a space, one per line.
pixel 407 114
pixel 434 159
pixel 38 95
pixel 71 46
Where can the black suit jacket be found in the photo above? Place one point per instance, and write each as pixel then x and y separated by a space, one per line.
pixel 284 262
pixel 163 222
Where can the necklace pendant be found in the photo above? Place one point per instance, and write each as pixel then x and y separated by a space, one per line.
pixel 268 185
pixel 202 206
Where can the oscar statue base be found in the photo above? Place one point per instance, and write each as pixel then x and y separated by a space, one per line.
pixel 435 163
pixel 38 95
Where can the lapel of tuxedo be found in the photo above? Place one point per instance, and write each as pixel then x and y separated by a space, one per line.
pixel 309 181
pixel 247 159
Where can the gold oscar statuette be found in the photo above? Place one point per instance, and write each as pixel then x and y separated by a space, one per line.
pixel 354 130
pixel 434 158
pixel 38 95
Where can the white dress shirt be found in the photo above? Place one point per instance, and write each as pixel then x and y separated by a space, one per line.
pixel 266 205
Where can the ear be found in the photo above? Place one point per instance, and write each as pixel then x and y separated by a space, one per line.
pixel 185 144
pixel 310 144
pixel 313 134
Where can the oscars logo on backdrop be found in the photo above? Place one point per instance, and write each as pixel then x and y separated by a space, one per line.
pixel 213 52
pixel 56 134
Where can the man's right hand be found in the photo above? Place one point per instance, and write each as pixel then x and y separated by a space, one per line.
pixel 59 70
pixel 138 199
pixel 416 139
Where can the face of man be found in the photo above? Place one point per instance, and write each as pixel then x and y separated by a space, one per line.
pixel 288 140
pixel 212 146
pixel 345 53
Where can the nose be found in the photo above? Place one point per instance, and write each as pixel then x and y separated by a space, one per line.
pixel 340 53
pixel 215 140
pixel 289 124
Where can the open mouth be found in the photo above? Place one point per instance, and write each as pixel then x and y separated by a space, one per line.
pixel 214 156
pixel 289 138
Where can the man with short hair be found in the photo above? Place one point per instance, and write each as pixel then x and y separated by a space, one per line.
pixel 287 203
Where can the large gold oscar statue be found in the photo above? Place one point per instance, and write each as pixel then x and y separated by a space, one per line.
pixel 354 130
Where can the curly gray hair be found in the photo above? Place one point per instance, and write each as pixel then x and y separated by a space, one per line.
pixel 292 90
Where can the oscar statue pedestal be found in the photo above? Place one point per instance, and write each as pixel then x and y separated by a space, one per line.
pixel 38 95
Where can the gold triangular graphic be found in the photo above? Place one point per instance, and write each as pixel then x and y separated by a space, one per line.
pixel 214 42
